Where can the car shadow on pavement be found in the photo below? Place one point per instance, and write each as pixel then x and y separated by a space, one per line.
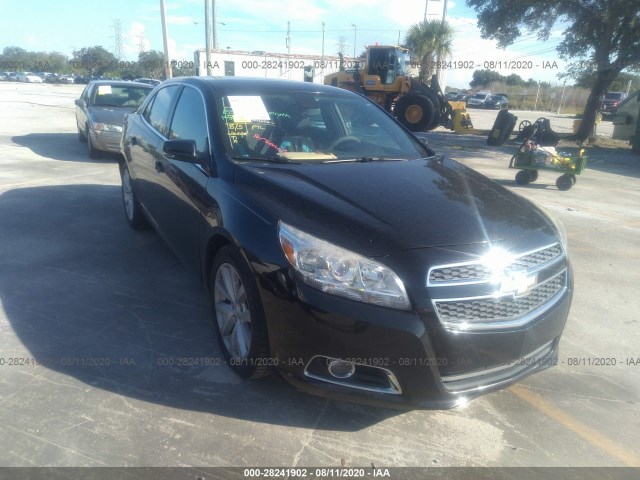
pixel 61 146
pixel 87 297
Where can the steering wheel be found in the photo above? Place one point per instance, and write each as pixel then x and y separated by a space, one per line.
pixel 346 138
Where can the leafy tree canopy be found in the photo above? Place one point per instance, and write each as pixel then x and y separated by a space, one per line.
pixel 600 36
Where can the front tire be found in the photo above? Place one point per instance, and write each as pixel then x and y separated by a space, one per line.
pixel 415 112
pixel 132 208
pixel 93 153
pixel 238 316
pixel 523 177
pixel 564 182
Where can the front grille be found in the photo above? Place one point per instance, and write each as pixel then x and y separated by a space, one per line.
pixel 534 259
pixel 484 310
pixel 478 272
pixel 457 273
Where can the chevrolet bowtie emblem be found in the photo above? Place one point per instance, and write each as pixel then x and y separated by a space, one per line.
pixel 517 283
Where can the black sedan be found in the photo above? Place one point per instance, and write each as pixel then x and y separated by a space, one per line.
pixel 499 102
pixel 100 112
pixel 341 251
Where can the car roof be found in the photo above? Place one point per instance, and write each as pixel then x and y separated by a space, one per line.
pixel 249 84
pixel 120 83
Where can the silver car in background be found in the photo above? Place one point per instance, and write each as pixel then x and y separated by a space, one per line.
pixel 100 112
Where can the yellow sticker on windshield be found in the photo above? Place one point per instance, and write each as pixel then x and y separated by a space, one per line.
pixel 104 89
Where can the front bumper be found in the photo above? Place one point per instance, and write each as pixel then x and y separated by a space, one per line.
pixel 105 141
pixel 402 358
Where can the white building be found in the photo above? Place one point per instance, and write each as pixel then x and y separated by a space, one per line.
pixel 311 68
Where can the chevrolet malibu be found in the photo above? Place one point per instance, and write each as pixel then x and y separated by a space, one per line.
pixel 100 112
pixel 338 249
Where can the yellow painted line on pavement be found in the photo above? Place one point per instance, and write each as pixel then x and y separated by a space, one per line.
pixel 625 456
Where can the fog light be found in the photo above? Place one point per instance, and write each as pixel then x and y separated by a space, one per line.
pixel 341 368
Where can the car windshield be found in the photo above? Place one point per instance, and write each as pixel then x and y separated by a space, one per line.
pixel 613 96
pixel 119 96
pixel 309 126
pixel 480 96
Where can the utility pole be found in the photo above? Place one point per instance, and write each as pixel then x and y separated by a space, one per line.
pixel 165 43
pixel 207 32
pixel 322 58
pixel 439 72
pixel 562 97
pixel 355 39
pixel 535 107
pixel 289 48
pixel 214 24
pixel 426 7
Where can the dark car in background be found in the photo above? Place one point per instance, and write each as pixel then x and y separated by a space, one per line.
pixel 498 102
pixel 610 103
pixel 339 249
pixel 100 112
pixel 478 100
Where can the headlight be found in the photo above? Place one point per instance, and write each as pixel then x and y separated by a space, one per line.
pixel 105 127
pixel 338 271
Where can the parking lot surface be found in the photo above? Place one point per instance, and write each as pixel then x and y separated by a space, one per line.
pixel 108 357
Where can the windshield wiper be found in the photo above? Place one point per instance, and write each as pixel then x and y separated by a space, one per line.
pixel 366 160
pixel 263 159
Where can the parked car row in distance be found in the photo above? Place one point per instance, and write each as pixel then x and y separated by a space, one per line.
pixel 47 77
pixel 499 101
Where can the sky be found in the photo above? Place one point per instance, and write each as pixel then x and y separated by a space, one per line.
pixel 251 25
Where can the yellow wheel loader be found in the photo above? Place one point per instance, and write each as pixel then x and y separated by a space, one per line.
pixel 385 79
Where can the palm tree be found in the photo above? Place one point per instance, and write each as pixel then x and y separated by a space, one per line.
pixel 425 39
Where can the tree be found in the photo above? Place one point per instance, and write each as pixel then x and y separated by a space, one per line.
pixel 618 85
pixel 483 78
pixel 94 60
pixel 425 40
pixel 514 80
pixel 602 36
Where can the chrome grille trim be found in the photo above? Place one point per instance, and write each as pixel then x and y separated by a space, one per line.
pixel 475 272
pixel 500 302
pixel 479 379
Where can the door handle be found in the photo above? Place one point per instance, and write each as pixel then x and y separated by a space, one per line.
pixel 134 141
pixel 159 166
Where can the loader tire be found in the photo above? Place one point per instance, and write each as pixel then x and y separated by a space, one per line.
pixel 415 112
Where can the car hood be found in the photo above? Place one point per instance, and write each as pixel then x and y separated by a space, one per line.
pixel 380 208
pixel 110 115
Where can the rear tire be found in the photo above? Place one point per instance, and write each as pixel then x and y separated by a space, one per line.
pixel 415 112
pixel 238 316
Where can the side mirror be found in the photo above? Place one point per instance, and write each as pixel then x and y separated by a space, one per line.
pixel 628 120
pixel 184 150
pixel 80 102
